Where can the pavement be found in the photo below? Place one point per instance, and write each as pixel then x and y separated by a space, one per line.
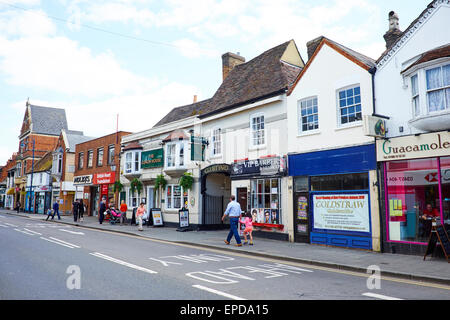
pixel 410 267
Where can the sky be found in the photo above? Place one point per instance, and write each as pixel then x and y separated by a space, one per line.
pixel 139 59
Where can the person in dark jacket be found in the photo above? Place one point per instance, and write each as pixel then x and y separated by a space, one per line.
pixel 102 210
pixel 80 210
pixel 75 209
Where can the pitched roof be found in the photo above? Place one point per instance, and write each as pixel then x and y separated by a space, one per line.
pixel 436 53
pixel 183 112
pixel 74 138
pixel 47 120
pixel 411 28
pixel 264 76
pixel 43 164
pixel 360 59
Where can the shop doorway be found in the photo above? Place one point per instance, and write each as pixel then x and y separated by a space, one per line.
pixel 242 198
pixel 216 192
pixel 301 209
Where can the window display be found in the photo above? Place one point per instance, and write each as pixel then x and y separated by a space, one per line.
pixel 265 201
pixel 413 200
pixel 445 188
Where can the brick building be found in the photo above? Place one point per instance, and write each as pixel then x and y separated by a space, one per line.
pixel 97 165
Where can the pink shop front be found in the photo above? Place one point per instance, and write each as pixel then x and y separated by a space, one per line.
pixel 415 190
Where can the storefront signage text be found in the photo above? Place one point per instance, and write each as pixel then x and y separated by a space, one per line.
pixel 152 158
pixel 104 178
pixel 410 147
pixel 216 168
pixel 268 166
pixel 81 180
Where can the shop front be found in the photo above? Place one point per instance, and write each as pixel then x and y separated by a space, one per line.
pixel 92 188
pixel 258 186
pixel 416 189
pixel 332 196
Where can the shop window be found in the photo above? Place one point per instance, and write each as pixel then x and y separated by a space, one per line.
pixel 350 181
pixel 175 197
pixel 349 105
pixel 445 185
pixel 412 199
pixel 265 201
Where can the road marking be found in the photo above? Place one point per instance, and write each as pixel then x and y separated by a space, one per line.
pixel 99 255
pixel 11 225
pixel 379 296
pixel 30 234
pixel 73 232
pixel 3 226
pixel 220 293
pixel 57 242
pixel 39 234
pixel 68 243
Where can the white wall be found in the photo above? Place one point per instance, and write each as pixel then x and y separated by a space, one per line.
pixel 393 99
pixel 328 72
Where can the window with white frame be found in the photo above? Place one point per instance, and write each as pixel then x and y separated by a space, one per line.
pixel 349 105
pixel 132 162
pixel 175 154
pixel 257 130
pixel 415 95
pixel 128 162
pixel 57 163
pixel 111 154
pixel 176 198
pixel 18 172
pixel 216 140
pixel 90 158
pixel 309 116
pixel 438 88
pixel 100 157
pixel 80 160
pixel 137 155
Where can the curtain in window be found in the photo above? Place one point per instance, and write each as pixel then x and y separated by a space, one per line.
pixel 433 78
pixel 446 75
pixel 436 101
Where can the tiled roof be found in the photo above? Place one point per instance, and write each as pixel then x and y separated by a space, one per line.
pixel 76 137
pixel 183 112
pixel 47 120
pixel 132 146
pixel 440 52
pixel 263 76
pixel 43 164
pixel 176 135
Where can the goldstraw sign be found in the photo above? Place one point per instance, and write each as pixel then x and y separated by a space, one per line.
pixel 426 145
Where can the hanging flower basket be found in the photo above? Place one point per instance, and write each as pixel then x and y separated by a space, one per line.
pixel 118 186
pixel 136 185
pixel 186 181
pixel 160 181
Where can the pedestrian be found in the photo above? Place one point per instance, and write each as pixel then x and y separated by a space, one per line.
pixel 81 210
pixel 123 210
pixel 234 212
pixel 56 209
pixel 49 213
pixel 102 210
pixel 248 221
pixel 140 214
pixel 75 209
pixel 18 206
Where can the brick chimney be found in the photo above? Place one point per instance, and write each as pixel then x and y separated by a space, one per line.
pixel 229 61
pixel 394 31
pixel 312 45
pixel 195 98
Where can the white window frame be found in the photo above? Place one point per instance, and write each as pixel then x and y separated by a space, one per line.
pixel 172 198
pixel 300 115
pixel 80 160
pixel 216 142
pixel 100 157
pixel 441 88
pixel 415 96
pixel 90 158
pixel 252 131
pixel 177 160
pixel 132 162
pixel 338 105
pixel 111 159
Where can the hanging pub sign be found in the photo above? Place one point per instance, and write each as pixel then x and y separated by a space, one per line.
pixel 263 166
pixel 374 126
pixel 152 158
pixel 198 145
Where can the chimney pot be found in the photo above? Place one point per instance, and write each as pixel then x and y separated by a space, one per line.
pixel 394 31
pixel 195 98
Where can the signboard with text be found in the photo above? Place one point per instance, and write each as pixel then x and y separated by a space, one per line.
pixel 262 166
pixel 152 158
pixel 104 178
pixel 82 180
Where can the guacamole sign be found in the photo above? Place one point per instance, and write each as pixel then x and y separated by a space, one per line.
pixel 425 145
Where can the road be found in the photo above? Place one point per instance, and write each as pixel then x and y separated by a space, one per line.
pixel 45 260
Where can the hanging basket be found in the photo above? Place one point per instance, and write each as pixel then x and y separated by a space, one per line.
pixel 136 185
pixel 186 181
pixel 118 186
pixel 160 181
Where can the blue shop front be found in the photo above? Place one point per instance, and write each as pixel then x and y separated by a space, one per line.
pixel 332 196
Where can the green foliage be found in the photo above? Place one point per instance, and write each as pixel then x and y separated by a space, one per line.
pixel 160 181
pixel 118 186
pixel 186 181
pixel 136 185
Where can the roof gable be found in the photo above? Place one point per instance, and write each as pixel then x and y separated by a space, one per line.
pixel 354 56
pixel 45 120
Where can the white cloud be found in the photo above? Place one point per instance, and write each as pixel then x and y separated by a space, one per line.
pixel 25 23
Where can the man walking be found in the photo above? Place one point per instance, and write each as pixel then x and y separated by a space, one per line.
pixel 234 212
pixel 55 210
pixel 102 210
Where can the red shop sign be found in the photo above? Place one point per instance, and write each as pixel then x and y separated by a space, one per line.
pixel 104 178
pixel 104 189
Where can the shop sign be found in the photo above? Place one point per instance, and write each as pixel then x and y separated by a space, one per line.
pixel 104 178
pixel 341 212
pixel 82 180
pixel 217 168
pixel 266 166
pixel 152 158
pixel 43 188
pixel 374 126
pixel 198 145
pixel 425 145
pixel 416 178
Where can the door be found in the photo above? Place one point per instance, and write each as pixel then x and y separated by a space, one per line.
pixel 242 198
pixel 301 216
pixel 150 198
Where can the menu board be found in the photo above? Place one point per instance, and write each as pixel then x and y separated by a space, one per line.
pixel 157 217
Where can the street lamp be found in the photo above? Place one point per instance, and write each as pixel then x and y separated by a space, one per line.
pixel 25 144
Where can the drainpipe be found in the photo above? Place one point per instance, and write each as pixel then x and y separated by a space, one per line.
pixel 372 71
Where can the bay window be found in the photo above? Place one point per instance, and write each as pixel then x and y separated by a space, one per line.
pixel 132 162
pixel 175 155
pixel 438 88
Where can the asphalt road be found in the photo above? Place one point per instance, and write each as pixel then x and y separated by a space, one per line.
pixel 45 260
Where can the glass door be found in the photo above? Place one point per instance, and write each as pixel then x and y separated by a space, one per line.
pixel 301 209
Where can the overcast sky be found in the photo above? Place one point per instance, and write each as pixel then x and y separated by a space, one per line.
pixel 141 58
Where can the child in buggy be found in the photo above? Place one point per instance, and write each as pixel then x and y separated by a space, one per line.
pixel 114 214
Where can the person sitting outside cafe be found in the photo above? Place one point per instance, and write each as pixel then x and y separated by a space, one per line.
pixel 425 220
